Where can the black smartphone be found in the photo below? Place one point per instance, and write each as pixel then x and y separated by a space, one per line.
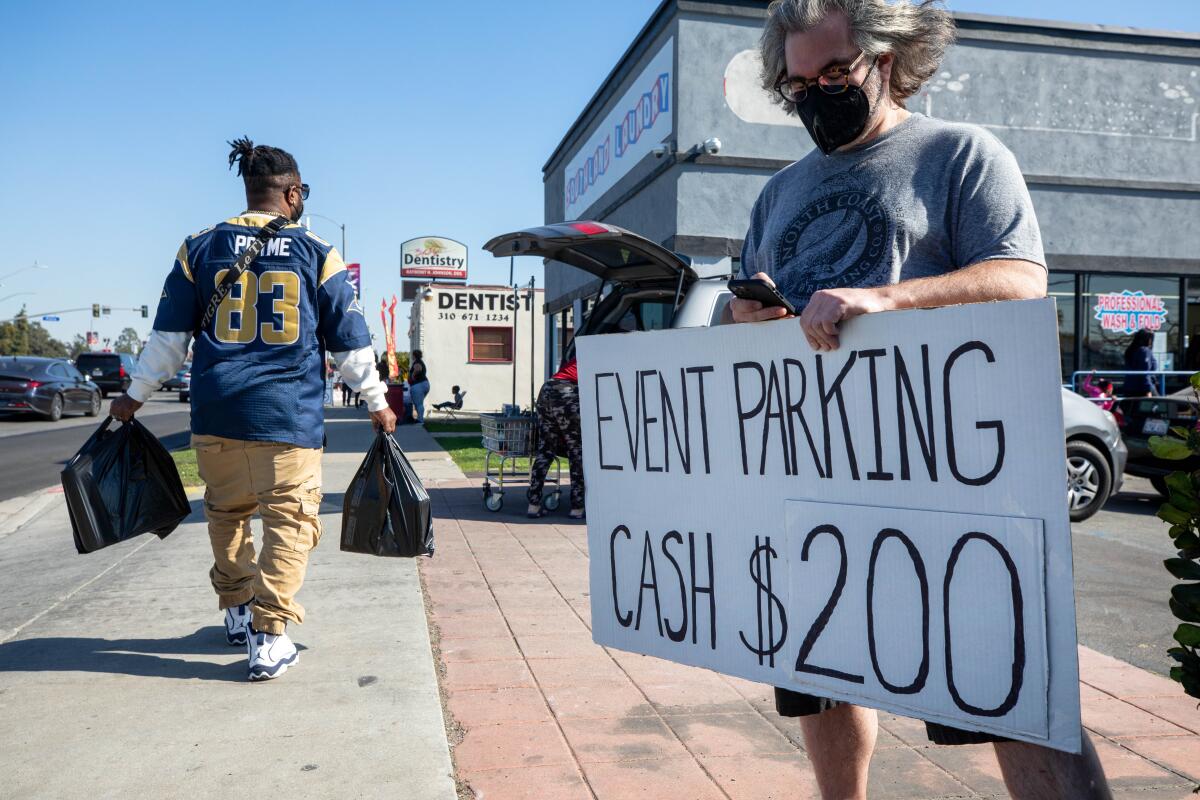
pixel 763 292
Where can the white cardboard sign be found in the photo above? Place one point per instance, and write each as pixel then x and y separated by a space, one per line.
pixel 884 524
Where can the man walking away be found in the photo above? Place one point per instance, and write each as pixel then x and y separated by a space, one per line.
pixel 257 393
pixel 892 210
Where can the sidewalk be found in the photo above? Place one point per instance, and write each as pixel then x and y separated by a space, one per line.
pixel 115 680
pixel 547 714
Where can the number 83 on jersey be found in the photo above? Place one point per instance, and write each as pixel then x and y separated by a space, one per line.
pixel 236 321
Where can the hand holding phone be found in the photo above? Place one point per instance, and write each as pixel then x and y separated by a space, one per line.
pixel 761 291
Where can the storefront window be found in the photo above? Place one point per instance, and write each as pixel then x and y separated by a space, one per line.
pixel 490 345
pixel 1117 306
pixel 1062 289
pixel 1191 342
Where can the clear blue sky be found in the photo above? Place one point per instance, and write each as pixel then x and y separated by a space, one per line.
pixel 407 119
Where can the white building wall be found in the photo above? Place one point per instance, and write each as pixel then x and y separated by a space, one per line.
pixel 441 327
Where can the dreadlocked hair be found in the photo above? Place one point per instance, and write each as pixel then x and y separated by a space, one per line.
pixel 261 167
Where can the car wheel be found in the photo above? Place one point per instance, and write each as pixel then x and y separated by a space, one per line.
pixel 104 394
pixel 184 397
pixel 1089 480
pixel 94 408
pixel 1159 482
pixel 56 409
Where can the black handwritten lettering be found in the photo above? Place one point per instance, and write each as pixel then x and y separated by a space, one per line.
pixel 632 433
pixel 822 619
pixel 647 420
pixel 835 391
pixel 699 589
pixel 774 409
pixel 626 618
pixel 743 415
pixel 876 474
pixel 600 420
pixel 673 634
pixel 918 683
pixel 682 447
pixel 700 372
pixel 1018 605
pixel 997 425
pixel 796 411
pixel 652 585
pixel 904 387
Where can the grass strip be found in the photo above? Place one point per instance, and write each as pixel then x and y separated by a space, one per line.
pixel 453 427
pixel 470 455
pixel 185 462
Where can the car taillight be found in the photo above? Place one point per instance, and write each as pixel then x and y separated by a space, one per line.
pixel 121 372
pixel 590 228
pixel 34 384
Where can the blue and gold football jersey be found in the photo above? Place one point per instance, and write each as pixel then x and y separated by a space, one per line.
pixel 257 371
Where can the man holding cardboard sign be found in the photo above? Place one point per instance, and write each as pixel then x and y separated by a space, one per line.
pixel 894 210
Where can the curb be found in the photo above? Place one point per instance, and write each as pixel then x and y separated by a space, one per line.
pixel 17 512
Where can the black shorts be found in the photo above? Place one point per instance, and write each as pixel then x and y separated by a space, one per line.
pixel 798 704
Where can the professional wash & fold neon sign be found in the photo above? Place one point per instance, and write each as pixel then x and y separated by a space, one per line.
pixel 1130 312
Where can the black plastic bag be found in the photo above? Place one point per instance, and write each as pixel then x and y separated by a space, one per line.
pixel 387 510
pixel 122 483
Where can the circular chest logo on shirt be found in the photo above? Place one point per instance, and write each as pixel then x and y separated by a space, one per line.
pixel 840 240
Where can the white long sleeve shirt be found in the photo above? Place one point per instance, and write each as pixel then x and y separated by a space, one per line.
pixel 166 352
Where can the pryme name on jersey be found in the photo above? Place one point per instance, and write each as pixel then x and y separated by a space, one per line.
pixel 258 369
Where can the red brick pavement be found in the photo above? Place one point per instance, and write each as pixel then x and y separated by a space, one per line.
pixel 548 714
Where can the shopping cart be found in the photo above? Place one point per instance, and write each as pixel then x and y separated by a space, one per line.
pixel 509 437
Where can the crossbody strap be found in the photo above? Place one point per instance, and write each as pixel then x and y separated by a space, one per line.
pixel 252 251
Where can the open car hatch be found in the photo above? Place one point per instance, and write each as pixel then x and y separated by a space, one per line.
pixel 606 251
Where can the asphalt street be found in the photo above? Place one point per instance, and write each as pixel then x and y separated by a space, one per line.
pixel 32 451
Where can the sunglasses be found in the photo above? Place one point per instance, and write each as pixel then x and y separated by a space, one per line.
pixel 304 191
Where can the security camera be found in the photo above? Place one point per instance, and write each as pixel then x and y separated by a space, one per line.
pixel 711 146
pixel 661 150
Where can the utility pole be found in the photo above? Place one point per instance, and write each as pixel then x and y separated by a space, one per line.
pixel 532 344
pixel 513 343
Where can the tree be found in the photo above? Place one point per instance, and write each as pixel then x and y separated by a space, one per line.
pixel 78 345
pixel 128 342
pixel 22 338
pixel 1182 513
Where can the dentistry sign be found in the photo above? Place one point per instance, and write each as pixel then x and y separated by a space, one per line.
pixel 433 257
pixel 884 524
pixel 640 120
pixel 1129 312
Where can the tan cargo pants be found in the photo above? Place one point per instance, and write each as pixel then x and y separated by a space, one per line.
pixel 282 483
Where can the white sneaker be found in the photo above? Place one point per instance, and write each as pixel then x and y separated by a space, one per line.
pixel 270 654
pixel 237 622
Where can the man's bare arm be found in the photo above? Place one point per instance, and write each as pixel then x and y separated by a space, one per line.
pixel 979 283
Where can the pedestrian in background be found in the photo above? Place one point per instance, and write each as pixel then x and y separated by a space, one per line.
pixel 418 384
pixel 1139 357
pixel 257 392
pixel 558 432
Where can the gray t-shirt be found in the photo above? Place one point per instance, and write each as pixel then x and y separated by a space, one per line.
pixel 925 198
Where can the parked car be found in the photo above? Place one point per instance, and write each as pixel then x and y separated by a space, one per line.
pixel 647 287
pixel 1142 417
pixel 110 371
pixel 46 386
pixel 176 381
pixel 185 385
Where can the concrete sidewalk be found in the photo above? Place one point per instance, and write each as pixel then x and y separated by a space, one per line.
pixel 548 714
pixel 115 680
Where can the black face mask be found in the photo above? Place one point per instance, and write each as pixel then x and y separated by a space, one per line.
pixel 834 120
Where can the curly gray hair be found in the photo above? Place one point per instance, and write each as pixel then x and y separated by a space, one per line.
pixel 916 34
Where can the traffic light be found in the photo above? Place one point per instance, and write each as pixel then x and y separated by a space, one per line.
pixel 96 310
pixel 145 311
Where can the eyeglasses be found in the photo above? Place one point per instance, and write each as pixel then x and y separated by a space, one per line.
pixel 833 81
pixel 304 191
